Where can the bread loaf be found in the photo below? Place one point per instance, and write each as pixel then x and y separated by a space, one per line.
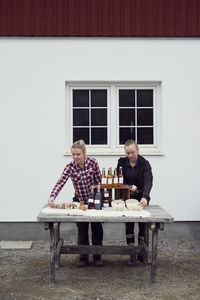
pixel 133 204
pixel 118 205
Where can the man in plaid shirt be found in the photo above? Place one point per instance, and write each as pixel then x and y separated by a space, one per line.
pixel 84 172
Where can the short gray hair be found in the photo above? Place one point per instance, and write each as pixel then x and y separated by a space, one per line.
pixel 131 142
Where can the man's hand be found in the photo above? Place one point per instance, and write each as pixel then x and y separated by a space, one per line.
pixel 51 201
pixel 143 202
pixel 133 188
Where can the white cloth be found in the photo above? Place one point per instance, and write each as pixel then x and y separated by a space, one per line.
pixel 109 212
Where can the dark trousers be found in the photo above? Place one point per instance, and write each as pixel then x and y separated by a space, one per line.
pixel 83 238
pixel 130 237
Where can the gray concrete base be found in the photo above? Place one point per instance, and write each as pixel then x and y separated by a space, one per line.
pixel 30 231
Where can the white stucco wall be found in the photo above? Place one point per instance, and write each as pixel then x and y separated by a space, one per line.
pixel 33 72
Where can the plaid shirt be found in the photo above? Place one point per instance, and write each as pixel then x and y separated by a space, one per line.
pixel 82 178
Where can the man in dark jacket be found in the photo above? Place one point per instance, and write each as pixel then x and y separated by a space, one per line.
pixel 138 175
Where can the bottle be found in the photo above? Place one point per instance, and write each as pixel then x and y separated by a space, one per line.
pixel 97 201
pixel 109 178
pixel 103 178
pixel 91 199
pixel 121 177
pixel 106 201
pixel 115 178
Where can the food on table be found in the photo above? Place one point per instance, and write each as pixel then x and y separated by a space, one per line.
pixel 133 204
pixel 63 205
pixel 82 206
pixel 71 205
pixel 118 205
pixel 56 206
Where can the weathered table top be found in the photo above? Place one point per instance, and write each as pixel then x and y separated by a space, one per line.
pixel 157 215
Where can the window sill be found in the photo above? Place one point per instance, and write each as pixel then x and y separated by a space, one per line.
pixel 120 152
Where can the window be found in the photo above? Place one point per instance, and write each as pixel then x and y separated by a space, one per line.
pixel 105 115
pixel 90 116
pixel 136 112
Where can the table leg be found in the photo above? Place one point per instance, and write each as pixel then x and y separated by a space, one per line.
pixel 58 243
pixel 146 244
pixel 52 252
pixel 146 234
pixel 154 228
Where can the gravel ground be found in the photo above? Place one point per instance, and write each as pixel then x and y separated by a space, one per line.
pixel 24 275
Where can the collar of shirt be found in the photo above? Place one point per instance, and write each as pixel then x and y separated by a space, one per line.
pixel 128 163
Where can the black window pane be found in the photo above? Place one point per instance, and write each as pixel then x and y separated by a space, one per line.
pixel 80 98
pixel 145 98
pixel 99 98
pixel 145 135
pixel 98 136
pixel 145 117
pixel 80 117
pixel 99 117
pixel 126 134
pixel 126 117
pixel 81 134
pixel 126 98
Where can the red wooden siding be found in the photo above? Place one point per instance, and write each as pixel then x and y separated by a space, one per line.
pixel 125 18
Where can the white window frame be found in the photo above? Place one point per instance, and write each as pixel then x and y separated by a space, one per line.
pixel 113 147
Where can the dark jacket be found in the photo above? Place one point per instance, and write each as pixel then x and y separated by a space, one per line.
pixel 145 175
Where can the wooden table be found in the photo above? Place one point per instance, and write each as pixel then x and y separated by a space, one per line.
pixel 155 222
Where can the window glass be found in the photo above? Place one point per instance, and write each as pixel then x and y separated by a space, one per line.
pixel 126 134
pixel 145 98
pixel 92 118
pixel 145 136
pixel 145 117
pixel 126 98
pixel 80 98
pixel 126 117
pixel 81 117
pixel 99 136
pixel 99 117
pixel 99 98
pixel 139 112
pixel 81 134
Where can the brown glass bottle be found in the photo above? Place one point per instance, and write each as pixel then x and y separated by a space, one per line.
pixel 121 177
pixel 103 178
pixel 109 178
pixel 115 179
